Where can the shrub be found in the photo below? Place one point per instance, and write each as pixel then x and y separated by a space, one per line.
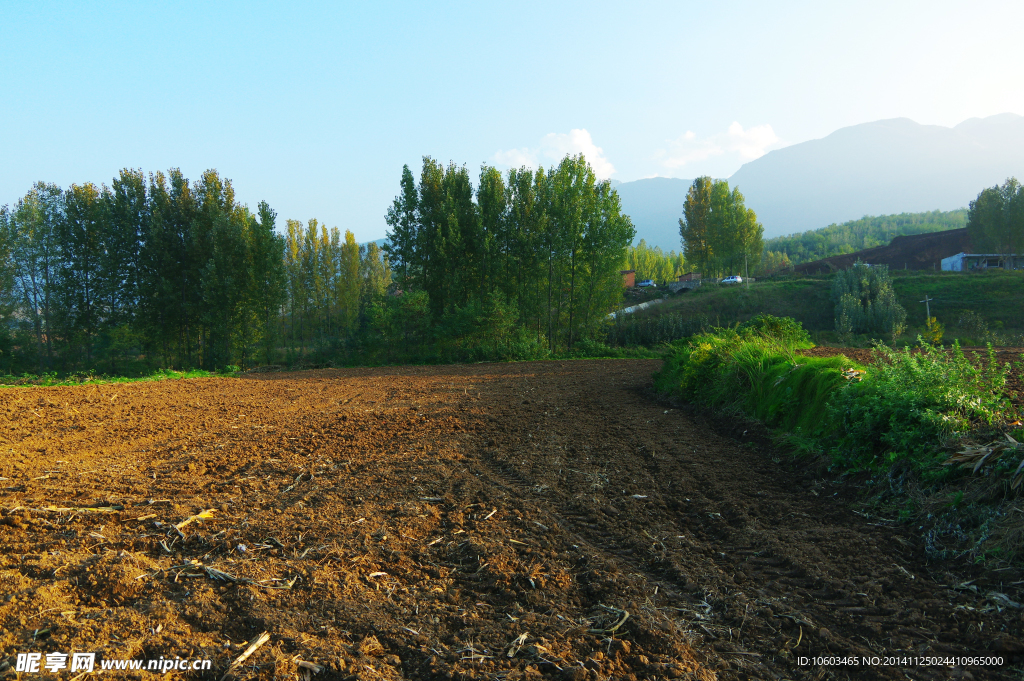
pixel 782 330
pixel 911 402
pixel 898 412
pixel 866 302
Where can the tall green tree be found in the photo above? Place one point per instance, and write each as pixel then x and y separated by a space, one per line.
pixel 170 295
pixel 401 246
pixel 695 227
pixel 34 225
pixel 995 220
pixel 719 233
pixel 80 235
pixel 8 298
pixel 269 277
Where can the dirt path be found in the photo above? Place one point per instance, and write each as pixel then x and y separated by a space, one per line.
pixel 486 521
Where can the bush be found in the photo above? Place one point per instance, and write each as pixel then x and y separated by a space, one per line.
pixel 782 330
pixel 866 302
pixel 911 402
pixel 752 369
pixel 898 412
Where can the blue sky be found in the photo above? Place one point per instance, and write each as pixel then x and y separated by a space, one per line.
pixel 314 107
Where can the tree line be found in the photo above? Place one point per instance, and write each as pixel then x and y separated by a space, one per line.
pixel 995 221
pixel 95 276
pixel 650 262
pixel 534 259
pixel 159 271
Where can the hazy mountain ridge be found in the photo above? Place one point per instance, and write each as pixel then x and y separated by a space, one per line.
pixel 879 168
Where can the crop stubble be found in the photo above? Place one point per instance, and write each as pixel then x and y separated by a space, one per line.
pixel 508 521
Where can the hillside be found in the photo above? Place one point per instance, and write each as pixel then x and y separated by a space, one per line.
pixel 858 235
pixel 879 168
pixel 888 166
pixel 912 252
pixel 993 297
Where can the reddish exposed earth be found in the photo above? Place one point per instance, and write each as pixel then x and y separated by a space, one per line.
pixel 493 521
pixel 911 251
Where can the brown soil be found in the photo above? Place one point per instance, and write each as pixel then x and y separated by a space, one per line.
pixel 474 522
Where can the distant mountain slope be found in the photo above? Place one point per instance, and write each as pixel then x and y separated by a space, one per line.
pixel 655 206
pixel 884 167
pixel 880 168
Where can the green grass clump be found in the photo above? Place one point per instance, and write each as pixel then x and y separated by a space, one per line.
pixel 53 378
pixel 752 368
pixel 899 412
pixel 911 403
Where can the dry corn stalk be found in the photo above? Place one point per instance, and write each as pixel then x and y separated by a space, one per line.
pixel 205 515
pixel 977 455
pixel 855 375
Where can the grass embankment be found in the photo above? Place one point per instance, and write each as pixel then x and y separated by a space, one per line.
pixel 892 425
pixel 989 300
pixel 53 378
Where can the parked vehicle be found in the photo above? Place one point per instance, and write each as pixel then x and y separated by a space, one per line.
pixel 647 283
pixel 733 280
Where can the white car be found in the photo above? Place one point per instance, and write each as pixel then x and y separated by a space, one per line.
pixel 733 280
pixel 647 283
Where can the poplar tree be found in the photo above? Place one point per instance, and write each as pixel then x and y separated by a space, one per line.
pixel 695 226
pixel 401 245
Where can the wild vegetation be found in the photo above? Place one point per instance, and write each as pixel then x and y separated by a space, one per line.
pixel 866 303
pixel 896 423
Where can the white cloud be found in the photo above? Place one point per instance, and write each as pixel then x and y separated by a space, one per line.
pixel 735 143
pixel 554 147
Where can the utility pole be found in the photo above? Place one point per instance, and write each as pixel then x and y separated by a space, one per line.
pixel 927 307
pixel 746 272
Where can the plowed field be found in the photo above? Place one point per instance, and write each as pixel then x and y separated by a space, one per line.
pixel 514 521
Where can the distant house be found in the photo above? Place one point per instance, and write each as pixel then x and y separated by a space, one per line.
pixel 628 278
pixel 692 276
pixel 966 262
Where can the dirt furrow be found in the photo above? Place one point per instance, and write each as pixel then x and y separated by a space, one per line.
pixel 510 521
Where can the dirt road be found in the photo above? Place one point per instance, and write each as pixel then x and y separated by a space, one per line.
pixel 513 521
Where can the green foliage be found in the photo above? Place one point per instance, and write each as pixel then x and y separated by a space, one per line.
pixel 857 235
pixel 996 219
pixel 866 302
pixel 719 233
pixel 911 402
pixel 752 369
pixel 653 330
pixel 653 263
pixel 486 330
pixel 898 412
pixel 52 378
pixel 592 349
pixel 782 331
pixel 934 331
pixel 547 244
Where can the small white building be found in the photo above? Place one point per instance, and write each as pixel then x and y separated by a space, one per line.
pixel 966 262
